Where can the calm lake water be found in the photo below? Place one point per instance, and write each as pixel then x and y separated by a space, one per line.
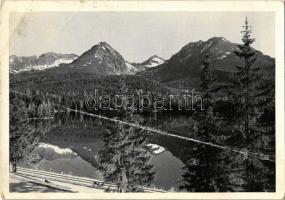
pixel 70 144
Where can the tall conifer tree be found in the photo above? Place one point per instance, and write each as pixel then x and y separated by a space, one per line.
pixel 202 170
pixel 125 160
pixel 248 90
pixel 22 135
pixel 251 94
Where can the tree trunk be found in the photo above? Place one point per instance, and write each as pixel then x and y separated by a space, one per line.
pixel 14 163
pixel 124 183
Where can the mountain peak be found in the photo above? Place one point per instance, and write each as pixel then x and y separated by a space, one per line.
pixel 104 44
pixel 218 39
pixel 103 59
pixel 155 57
pixel 153 61
pixel 186 63
pixel 49 54
pixel 218 47
pixel 103 48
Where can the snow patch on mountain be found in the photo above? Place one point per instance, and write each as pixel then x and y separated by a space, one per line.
pixel 44 67
pixel 224 55
pixel 131 68
pixel 38 63
pixel 153 61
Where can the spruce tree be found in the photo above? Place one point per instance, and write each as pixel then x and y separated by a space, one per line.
pixel 124 159
pixel 251 94
pixel 22 136
pixel 202 170
pixel 140 172
pixel 205 126
pixel 248 91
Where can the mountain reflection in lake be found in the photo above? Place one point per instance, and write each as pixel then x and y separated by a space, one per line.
pixel 70 144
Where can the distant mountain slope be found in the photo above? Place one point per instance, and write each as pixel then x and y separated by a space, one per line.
pixel 77 83
pixel 103 59
pixel 182 70
pixel 42 62
pixel 153 61
pixel 186 64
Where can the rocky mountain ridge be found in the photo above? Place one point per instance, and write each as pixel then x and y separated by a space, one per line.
pixel 45 61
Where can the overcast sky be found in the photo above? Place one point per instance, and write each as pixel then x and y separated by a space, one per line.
pixel 136 35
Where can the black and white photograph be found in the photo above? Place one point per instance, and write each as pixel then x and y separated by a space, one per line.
pixel 143 102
